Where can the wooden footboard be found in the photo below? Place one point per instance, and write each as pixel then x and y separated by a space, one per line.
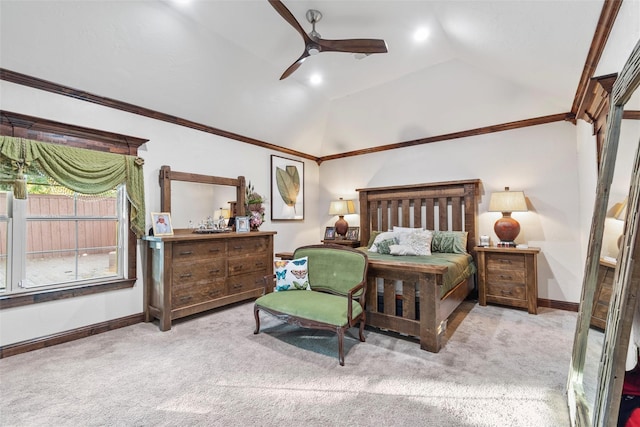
pixel 424 317
pixel 441 206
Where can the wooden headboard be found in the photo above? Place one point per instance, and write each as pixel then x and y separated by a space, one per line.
pixel 382 208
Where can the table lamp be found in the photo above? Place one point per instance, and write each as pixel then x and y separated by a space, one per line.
pixel 507 228
pixel 341 208
pixel 221 216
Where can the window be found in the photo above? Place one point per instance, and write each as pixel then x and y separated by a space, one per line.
pixel 99 227
pixel 57 237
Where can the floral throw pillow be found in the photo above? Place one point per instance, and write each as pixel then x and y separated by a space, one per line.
pixel 384 247
pixel 292 275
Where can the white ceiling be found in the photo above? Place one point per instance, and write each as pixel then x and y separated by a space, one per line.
pixel 218 63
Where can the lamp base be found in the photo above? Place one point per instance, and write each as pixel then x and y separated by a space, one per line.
pixel 507 228
pixel 341 227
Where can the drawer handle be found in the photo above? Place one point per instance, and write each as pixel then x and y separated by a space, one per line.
pixel 259 264
pixel 237 268
pixel 237 286
pixel 214 271
pixel 506 276
pixel 214 292
pixel 186 253
pixel 505 292
pixel 185 275
pixel 505 261
pixel 214 250
pixel 185 298
pixel 237 247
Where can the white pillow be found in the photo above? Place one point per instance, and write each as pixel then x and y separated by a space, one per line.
pixel 414 243
pixel 379 238
pixel 401 250
pixel 420 242
pixel 406 229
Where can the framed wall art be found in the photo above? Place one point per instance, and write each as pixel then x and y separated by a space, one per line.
pixel 287 189
pixel 161 224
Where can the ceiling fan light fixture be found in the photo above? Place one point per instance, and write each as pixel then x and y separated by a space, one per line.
pixel 313 50
pixel 315 79
pixel 421 34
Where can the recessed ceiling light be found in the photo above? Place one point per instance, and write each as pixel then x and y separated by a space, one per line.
pixel 315 79
pixel 421 34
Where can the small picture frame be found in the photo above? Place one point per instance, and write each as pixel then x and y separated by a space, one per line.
pixel 353 233
pixel 161 223
pixel 242 224
pixel 330 233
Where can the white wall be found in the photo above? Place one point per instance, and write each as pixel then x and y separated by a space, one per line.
pixel 183 149
pixel 540 160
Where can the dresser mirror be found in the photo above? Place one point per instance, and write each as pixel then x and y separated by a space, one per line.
pixel 192 198
pixel 598 360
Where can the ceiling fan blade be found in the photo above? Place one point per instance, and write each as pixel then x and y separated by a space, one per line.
pixel 294 66
pixel 367 46
pixel 288 16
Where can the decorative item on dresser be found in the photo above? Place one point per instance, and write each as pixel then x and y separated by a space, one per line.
pixel 508 276
pixel 189 273
pixel 507 228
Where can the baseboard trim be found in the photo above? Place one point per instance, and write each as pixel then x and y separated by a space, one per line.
pixel 560 305
pixel 71 335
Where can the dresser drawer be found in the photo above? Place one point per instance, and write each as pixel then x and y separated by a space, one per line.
pixel 198 292
pixel 248 264
pixel 197 271
pixel 499 262
pixel 516 277
pixel 244 282
pixel 192 251
pixel 248 246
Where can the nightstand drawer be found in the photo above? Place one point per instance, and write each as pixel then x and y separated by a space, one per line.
pixel 500 262
pixel 507 290
pixel 515 277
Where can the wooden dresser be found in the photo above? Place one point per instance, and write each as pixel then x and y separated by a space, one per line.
pixel 602 297
pixel 508 276
pixel 189 273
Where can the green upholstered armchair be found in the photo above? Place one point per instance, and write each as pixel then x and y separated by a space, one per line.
pixel 337 277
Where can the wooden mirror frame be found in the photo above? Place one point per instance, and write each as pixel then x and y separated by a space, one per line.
pixel 626 279
pixel 167 175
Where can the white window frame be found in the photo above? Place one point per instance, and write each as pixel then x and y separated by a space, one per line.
pixel 17 220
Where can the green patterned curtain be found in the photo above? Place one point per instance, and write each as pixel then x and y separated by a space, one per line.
pixel 81 170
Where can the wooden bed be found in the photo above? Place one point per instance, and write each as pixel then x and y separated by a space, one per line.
pixel 384 207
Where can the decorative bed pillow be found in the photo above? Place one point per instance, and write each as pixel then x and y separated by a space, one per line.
pixel 454 242
pixel 292 275
pixel 419 241
pixel 379 238
pixel 372 238
pixel 401 250
pixel 384 246
pixel 397 229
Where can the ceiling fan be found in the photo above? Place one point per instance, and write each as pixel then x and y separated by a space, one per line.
pixel 314 44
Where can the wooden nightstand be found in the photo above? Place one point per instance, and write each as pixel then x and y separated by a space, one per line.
pixel 601 298
pixel 343 242
pixel 508 276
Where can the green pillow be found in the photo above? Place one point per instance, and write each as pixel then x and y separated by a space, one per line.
pixel 452 242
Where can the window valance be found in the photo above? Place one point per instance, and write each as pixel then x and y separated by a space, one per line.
pixel 81 170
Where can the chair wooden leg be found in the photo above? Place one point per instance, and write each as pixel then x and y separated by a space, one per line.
pixel 340 332
pixel 257 316
pixel 362 330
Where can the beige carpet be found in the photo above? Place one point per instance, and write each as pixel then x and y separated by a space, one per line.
pixel 499 367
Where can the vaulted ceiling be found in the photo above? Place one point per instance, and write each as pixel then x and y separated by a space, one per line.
pixel 218 63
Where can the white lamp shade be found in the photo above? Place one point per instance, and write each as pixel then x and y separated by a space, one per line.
pixel 508 201
pixel 342 207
